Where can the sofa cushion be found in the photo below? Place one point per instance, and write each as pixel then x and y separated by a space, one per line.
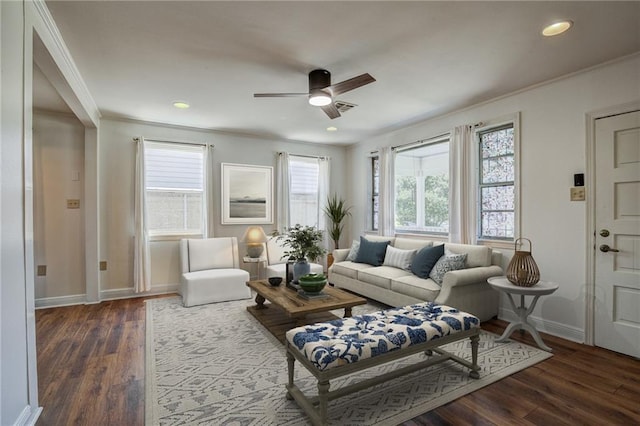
pixel 210 253
pixel 420 288
pixel 381 276
pixel 349 269
pixel 411 243
pixel 353 252
pixel 476 255
pixel 398 258
pixel 448 262
pixel 425 260
pixel 371 252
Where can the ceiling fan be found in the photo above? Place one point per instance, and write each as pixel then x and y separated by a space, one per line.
pixel 321 91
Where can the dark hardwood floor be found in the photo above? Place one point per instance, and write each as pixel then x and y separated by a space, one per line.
pixel 91 372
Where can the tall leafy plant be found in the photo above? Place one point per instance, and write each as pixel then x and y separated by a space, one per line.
pixel 336 211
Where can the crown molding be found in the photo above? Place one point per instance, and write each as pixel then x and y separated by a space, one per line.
pixel 59 66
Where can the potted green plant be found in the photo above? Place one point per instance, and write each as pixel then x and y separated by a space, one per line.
pixel 303 243
pixel 336 211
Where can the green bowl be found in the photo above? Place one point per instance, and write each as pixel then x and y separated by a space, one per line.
pixel 312 283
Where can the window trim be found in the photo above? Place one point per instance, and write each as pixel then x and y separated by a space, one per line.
pixel 442 138
pixel 163 235
pixel 371 216
pixel 497 123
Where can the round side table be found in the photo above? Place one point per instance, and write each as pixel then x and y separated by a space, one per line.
pixel 541 288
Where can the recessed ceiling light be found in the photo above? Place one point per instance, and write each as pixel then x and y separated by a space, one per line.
pixel 557 28
pixel 332 129
pixel 181 105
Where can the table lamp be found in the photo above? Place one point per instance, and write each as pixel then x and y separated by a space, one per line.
pixel 254 237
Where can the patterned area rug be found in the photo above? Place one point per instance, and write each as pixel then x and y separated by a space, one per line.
pixel 215 364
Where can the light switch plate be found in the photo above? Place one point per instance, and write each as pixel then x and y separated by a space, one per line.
pixel 577 193
pixel 103 265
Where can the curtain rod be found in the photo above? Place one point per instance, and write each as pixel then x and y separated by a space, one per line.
pixel 434 138
pixel 210 145
pixel 309 156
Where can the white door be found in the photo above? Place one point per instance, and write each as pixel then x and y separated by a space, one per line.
pixel 617 249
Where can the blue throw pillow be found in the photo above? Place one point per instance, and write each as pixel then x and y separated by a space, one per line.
pixel 425 260
pixel 371 252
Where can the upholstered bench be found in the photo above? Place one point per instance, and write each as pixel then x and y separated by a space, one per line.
pixel 344 346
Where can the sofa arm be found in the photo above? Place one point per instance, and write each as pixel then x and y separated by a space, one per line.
pixel 340 255
pixel 468 276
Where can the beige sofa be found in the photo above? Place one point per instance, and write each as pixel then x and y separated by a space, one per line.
pixel 466 289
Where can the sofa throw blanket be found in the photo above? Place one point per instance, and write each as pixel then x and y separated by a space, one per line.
pixel 348 340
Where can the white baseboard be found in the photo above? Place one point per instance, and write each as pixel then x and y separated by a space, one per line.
pixel 120 293
pixel 59 301
pixel 557 329
pixel 28 416
pixel 127 293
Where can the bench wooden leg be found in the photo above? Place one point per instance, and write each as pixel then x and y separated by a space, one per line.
pixel 323 401
pixel 475 368
pixel 290 367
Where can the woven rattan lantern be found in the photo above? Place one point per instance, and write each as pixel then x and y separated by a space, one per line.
pixel 522 270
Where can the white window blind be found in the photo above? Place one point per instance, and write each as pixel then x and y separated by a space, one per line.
pixel 304 173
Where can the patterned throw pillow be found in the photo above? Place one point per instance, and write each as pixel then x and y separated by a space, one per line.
pixel 425 260
pixel 448 262
pixel 371 252
pixel 398 258
pixel 353 253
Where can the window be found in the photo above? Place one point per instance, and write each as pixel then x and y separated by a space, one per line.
pixel 175 188
pixel 496 191
pixel 375 192
pixel 422 188
pixel 304 174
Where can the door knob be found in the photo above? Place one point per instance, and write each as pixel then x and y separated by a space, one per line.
pixel 605 248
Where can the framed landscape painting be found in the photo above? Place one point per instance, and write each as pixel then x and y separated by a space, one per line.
pixel 247 194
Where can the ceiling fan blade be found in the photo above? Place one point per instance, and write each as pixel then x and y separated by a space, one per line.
pixel 278 95
pixel 331 110
pixel 352 83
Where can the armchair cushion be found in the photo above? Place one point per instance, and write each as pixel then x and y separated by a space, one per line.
pixel 210 271
pixel 210 253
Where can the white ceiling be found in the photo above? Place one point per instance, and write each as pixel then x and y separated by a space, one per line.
pixel 428 58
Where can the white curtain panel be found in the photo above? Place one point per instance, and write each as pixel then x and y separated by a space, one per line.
pixel 461 187
pixel 323 192
pixel 207 229
pixel 141 255
pixel 386 218
pixel 282 192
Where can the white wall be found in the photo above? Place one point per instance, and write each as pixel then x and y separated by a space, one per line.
pixel 553 148
pixel 14 380
pixel 58 152
pixel 116 165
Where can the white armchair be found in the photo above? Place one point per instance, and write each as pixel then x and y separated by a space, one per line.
pixel 211 271
pixel 276 260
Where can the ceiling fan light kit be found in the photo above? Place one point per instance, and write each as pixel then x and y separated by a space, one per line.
pixel 319 98
pixel 321 91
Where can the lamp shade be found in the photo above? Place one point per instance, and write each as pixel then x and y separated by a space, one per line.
pixel 253 237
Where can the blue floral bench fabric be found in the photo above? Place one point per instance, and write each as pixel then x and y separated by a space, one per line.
pixel 348 340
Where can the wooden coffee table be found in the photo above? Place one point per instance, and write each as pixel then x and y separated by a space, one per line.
pixel 287 310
